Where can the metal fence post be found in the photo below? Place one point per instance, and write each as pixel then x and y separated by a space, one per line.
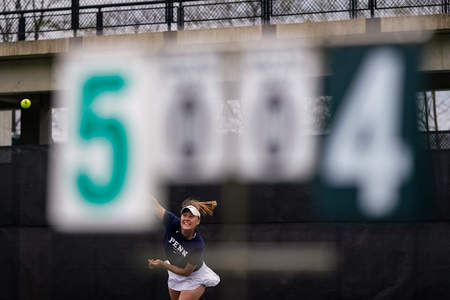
pixel 353 4
pixel 445 4
pixel 22 28
pixel 75 16
pixel 265 11
pixel 99 24
pixel 169 14
pixel 268 10
pixel 180 20
pixel 372 8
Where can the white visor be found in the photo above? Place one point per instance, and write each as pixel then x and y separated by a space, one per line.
pixel 192 209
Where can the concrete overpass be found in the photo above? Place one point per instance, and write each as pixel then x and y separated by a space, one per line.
pixel 26 66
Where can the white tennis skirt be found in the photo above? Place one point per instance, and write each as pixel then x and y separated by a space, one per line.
pixel 203 276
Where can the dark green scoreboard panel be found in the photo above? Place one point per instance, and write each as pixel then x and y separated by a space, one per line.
pixel 372 163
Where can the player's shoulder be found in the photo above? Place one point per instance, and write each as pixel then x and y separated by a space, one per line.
pixel 170 219
pixel 199 240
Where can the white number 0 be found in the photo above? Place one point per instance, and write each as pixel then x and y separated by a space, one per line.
pixel 365 146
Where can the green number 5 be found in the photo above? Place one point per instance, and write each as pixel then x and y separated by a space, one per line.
pixel 93 126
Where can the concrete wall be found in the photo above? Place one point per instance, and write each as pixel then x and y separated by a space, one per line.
pixel 26 66
pixel 5 127
pixel 19 75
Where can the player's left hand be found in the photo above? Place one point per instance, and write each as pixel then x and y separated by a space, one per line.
pixel 154 263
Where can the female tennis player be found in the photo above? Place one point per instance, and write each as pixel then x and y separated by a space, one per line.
pixel 183 244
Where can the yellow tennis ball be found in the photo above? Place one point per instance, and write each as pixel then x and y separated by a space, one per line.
pixel 25 103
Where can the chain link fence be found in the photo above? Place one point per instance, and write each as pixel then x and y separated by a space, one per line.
pixel 291 11
pixel 437 140
pixel 392 8
pixel 47 19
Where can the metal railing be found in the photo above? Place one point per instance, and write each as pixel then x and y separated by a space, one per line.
pixel 69 18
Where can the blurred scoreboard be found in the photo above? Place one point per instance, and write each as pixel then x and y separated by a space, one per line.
pixel 100 179
pixel 137 120
pixel 372 165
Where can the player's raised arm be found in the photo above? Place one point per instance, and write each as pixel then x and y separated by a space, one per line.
pixel 159 210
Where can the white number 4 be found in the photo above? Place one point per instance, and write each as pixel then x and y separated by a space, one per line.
pixel 365 147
